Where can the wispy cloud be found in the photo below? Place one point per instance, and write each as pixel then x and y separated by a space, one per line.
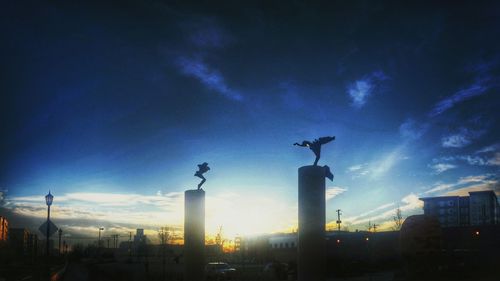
pixel 379 167
pixel 441 167
pixel 360 90
pixel 473 160
pixel 479 186
pixel 412 130
pixel 244 213
pixel 408 203
pixel 462 138
pixel 334 191
pixel 2 197
pixel 486 180
pixel 358 170
pixel 210 36
pixel 208 76
pixel 206 32
pixel 491 148
pixel 384 165
pixel 360 218
pixel 479 87
pixel 495 161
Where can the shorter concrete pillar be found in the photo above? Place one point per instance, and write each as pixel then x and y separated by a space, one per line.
pixel 311 239
pixel 194 235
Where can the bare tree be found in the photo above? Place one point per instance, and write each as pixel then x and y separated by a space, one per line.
pixel 398 219
pixel 220 240
pixel 164 234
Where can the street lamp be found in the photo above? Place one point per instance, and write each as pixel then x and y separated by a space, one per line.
pixel 48 200
pixel 99 241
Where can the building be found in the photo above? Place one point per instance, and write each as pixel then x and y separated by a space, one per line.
pixel 479 208
pixel 4 229
pixel 283 241
pixel 139 236
pixel 19 240
pixel 484 208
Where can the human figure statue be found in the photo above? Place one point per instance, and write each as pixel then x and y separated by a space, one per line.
pixel 315 146
pixel 202 168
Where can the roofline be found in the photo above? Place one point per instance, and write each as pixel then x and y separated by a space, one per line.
pixel 439 197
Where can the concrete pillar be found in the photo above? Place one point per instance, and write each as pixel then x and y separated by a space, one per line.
pixel 194 235
pixel 311 240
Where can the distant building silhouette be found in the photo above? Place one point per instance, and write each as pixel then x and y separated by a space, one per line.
pixel 139 236
pixel 4 229
pixel 19 240
pixel 479 208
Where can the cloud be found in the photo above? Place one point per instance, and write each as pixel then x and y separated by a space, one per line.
pixel 481 186
pixel 334 191
pixel 206 32
pixel 355 168
pixel 411 130
pixel 439 187
pixel 355 219
pixel 495 161
pixel 360 90
pixel 359 170
pixel 145 210
pixel 381 167
pixel 441 167
pixel 463 182
pixel 408 204
pixel 481 161
pixel 479 87
pixel 461 139
pixel 3 192
pixel 211 36
pixel 208 76
pixel 490 148
pixel 244 213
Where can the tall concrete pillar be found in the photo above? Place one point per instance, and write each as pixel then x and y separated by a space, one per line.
pixel 194 235
pixel 311 239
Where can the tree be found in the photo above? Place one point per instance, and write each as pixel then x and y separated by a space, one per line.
pixel 398 219
pixel 164 234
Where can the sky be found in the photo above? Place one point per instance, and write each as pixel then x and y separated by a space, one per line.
pixel 111 107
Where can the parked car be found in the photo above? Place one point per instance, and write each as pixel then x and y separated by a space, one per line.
pixel 219 271
pixel 276 271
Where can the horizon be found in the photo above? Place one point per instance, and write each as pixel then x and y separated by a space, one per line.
pixel 112 107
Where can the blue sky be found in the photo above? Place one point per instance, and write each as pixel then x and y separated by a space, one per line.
pixel 112 107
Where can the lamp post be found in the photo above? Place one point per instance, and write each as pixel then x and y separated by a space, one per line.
pixel 99 241
pixel 48 200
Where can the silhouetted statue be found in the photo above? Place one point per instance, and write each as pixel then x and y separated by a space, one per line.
pixel 315 146
pixel 202 168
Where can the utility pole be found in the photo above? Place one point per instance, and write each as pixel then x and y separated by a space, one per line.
pixel 115 240
pixel 130 245
pixel 338 219
pixel 60 234
pixel 99 240
pixel 375 227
